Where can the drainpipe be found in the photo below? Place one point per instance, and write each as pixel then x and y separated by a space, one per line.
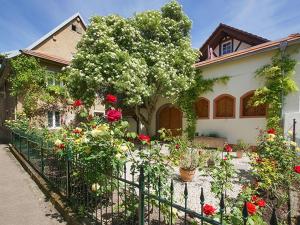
pixel 282 46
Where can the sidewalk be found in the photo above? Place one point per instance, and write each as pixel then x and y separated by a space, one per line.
pixel 21 201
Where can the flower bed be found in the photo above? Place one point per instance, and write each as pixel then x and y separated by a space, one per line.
pixel 100 146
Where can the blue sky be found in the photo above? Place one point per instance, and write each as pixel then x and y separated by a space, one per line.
pixel 24 21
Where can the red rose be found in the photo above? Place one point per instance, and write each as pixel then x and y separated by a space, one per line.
pixel 251 208
pixel 225 158
pixel 77 103
pixel 111 98
pixel 271 131
pixel 228 148
pixel 143 137
pixel 177 146
pixel 261 203
pixel 113 115
pixel 209 210
pixel 61 146
pixel 259 160
pixel 297 169
pixel 254 198
pixel 77 131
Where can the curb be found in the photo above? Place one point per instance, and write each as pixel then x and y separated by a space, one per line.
pixel 55 199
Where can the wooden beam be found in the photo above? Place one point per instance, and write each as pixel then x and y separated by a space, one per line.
pixel 237 47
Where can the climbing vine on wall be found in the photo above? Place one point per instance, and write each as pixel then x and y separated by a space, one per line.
pixel 279 83
pixel 29 83
pixel 188 98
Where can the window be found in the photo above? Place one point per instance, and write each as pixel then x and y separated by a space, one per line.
pixel 74 28
pixel 226 47
pixel 53 80
pixel 224 107
pixel 246 110
pixel 202 108
pixel 53 119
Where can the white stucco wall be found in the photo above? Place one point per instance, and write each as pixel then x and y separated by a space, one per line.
pixel 242 73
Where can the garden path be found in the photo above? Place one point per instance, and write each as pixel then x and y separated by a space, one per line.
pixel 21 201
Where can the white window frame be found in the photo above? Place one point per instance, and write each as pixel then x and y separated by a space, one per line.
pixel 54 125
pixel 225 43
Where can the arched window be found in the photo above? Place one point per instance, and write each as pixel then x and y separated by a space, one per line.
pixel 224 107
pixel 202 108
pixel 246 110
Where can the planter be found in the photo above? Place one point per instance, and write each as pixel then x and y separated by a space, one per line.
pixel 186 175
pixel 239 154
pixel 211 142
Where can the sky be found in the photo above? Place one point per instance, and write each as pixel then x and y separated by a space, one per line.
pixel 24 21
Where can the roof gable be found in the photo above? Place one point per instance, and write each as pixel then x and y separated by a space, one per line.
pixel 56 30
pixel 223 31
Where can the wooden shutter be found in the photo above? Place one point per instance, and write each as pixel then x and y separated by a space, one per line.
pixel 202 108
pixel 225 107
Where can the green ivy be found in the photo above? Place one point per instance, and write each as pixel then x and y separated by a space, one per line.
pixel 29 82
pixel 188 98
pixel 279 83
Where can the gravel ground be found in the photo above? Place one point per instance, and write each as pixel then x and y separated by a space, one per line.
pixel 201 180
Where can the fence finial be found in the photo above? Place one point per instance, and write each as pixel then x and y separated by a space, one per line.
pixel 273 220
pixel 245 213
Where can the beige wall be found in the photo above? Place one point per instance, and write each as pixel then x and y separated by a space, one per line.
pixel 63 43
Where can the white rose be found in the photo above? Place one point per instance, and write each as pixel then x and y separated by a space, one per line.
pixel 95 187
pixel 124 148
pixel 58 142
pixel 292 143
pixel 118 156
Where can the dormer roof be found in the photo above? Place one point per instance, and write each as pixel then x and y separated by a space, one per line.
pixel 223 31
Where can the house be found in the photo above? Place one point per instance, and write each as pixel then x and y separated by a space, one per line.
pixel 54 51
pixel 224 112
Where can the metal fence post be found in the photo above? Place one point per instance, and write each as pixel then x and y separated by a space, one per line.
pixel 273 220
pixel 42 157
pixel 28 151
pixel 20 143
pixel 68 191
pixel 141 197
pixel 294 130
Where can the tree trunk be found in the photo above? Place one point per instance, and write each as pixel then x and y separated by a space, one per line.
pixel 150 108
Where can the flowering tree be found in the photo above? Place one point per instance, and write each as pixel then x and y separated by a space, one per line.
pixel 140 58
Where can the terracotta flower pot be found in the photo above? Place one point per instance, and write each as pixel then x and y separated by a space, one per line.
pixel 186 175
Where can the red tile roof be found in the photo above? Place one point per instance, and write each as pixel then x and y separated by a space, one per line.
pixel 46 56
pixel 248 51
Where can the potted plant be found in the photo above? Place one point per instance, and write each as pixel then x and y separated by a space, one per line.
pixel 240 148
pixel 188 163
pixel 211 159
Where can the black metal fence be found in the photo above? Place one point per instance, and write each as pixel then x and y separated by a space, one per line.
pixel 121 196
